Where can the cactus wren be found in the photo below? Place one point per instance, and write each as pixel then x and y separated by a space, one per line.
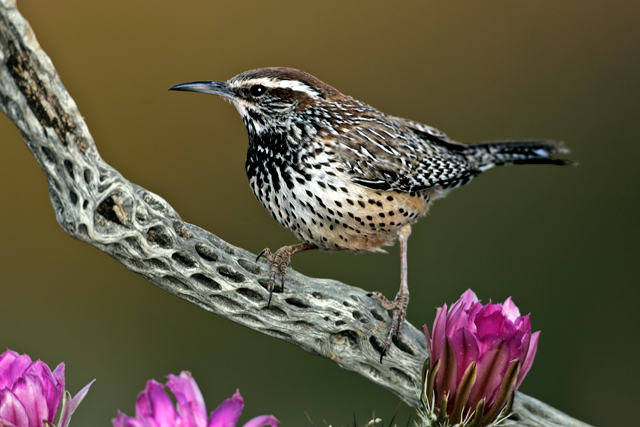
pixel 342 175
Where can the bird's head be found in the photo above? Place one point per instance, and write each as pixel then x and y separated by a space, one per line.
pixel 268 98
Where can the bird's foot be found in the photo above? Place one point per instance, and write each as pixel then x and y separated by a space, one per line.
pixel 399 307
pixel 280 262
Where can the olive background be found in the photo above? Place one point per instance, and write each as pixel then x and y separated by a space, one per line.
pixel 563 242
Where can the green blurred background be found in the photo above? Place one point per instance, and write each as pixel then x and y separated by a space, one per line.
pixel 562 241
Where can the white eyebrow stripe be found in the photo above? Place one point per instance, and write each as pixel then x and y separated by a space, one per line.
pixel 296 85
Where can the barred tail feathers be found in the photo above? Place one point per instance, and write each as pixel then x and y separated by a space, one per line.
pixel 489 154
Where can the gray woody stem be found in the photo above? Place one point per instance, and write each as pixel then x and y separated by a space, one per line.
pixel 95 204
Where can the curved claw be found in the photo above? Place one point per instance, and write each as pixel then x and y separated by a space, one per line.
pixel 281 260
pixel 265 252
pixel 399 305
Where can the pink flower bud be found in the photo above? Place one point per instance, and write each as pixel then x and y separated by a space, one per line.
pixel 30 394
pixel 479 355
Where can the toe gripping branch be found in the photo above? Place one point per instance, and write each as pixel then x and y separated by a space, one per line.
pixel 399 305
pixel 280 263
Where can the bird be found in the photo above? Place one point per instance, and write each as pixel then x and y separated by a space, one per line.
pixel 343 176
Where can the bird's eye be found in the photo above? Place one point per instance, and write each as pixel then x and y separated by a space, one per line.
pixel 257 90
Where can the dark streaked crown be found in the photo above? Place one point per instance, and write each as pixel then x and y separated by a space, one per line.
pixel 285 79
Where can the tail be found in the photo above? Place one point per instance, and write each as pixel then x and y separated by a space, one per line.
pixel 489 154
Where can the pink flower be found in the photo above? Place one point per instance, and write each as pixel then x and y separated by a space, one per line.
pixel 30 394
pixel 479 356
pixel 155 409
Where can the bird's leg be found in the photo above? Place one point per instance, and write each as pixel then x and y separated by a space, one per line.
pixel 402 297
pixel 281 261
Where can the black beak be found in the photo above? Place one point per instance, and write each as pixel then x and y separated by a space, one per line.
pixel 215 88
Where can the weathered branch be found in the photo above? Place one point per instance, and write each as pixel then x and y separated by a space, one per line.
pixel 95 204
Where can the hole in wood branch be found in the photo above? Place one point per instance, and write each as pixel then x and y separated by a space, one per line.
pixel 347 337
pixel 111 209
pixel 156 263
pixel 230 274
pixel 250 294
pixel 88 176
pixel 154 203
pixel 399 342
pixel 206 281
pixel 73 197
pixel 303 325
pixel 264 282
pixel 377 316
pixel 373 372
pixel 317 295
pixel 225 302
pixel 48 154
pixel 275 310
pixel 206 252
pixel 160 237
pixel 377 345
pixel 176 283
pixel 184 259
pixel 251 319
pixel 250 266
pixel 181 230
pixel 403 376
pixel 69 167
pixel 296 303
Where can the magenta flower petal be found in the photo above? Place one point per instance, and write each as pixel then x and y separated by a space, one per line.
pixel 439 326
pixel 425 328
pixel 487 340
pixel 466 349
pixel 154 403
pixel 228 412
pixel 29 390
pixel 52 385
pixel 492 366
pixel 263 420
pixel 154 407
pixel 12 411
pixel 511 310
pixel 190 401
pixel 528 360
pixel 123 421
pixel 12 366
